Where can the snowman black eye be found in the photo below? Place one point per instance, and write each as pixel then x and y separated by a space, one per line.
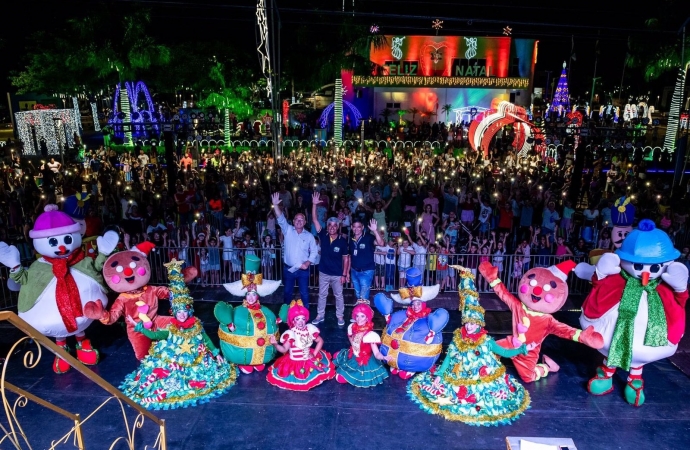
pixel 68 240
pixel 637 266
pixel 52 242
pixel 655 268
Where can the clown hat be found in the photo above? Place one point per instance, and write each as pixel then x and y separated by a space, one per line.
pixel 252 263
pixel 144 247
pixel 252 280
pixel 413 277
pixel 622 212
pixel 561 270
pixel 77 205
pixel 647 245
pixel 472 311
pixel 53 223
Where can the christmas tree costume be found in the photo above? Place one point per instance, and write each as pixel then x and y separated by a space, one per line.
pixel 639 310
pixel 472 385
pixel 301 367
pixel 183 367
pixel 361 365
pixel 541 292
pixel 412 336
pixel 56 287
pixel 244 330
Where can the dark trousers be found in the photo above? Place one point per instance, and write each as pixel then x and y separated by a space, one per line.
pixel 302 279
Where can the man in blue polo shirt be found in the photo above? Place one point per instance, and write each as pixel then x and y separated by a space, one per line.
pixel 334 267
pixel 362 248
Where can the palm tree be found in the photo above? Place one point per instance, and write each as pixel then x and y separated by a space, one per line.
pixel 385 113
pixel 414 111
pixel 446 109
pixel 428 114
pixel 401 113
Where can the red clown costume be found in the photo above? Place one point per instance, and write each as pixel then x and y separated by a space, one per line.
pixel 129 273
pixel 541 292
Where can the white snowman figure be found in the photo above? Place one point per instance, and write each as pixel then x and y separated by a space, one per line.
pixel 56 286
pixel 639 310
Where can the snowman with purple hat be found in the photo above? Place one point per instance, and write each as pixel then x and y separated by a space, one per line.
pixel 637 304
pixel 55 288
pixel 412 337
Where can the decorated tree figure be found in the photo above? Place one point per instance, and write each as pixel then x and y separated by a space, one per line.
pixel 183 367
pixel 561 97
pixel 472 385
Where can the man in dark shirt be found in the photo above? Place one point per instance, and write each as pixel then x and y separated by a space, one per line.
pixel 361 251
pixel 334 266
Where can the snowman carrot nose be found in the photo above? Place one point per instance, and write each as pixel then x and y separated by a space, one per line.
pixel 645 278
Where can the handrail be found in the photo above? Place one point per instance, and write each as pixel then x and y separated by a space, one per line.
pixel 16 435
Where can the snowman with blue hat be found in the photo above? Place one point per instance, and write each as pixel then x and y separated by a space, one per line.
pixel 639 310
pixel 412 336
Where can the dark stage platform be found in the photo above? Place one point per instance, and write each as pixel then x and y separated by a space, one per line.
pixel 256 415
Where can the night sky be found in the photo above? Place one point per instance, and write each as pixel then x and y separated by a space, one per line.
pixel 556 24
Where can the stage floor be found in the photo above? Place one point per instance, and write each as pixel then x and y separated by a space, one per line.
pixel 256 415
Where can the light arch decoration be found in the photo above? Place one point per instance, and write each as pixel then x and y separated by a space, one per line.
pixel 485 126
pixel 325 115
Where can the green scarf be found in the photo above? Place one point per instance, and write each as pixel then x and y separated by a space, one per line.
pixel 656 335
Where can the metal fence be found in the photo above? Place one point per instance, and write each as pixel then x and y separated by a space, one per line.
pixel 218 266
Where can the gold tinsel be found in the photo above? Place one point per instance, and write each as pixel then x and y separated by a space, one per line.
pixel 464 418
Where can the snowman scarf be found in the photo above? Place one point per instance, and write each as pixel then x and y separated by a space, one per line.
pixel 620 352
pixel 67 295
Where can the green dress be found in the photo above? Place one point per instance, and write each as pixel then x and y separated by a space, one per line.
pixel 181 369
pixel 474 387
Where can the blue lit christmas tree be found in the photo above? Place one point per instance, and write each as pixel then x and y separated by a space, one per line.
pixel 561 97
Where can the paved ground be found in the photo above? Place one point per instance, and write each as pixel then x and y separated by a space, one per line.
pixel 333 416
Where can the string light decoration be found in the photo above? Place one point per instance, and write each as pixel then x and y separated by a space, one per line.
pixel 355 114
pixel 338 112
pixel 507 30
pixel 54 126
pixel 94 113
pixel 562 96
pixel 226 126
pixel 437 25
pixel 262 45
pixel 77 114
pixel 125 108
pixel 674 111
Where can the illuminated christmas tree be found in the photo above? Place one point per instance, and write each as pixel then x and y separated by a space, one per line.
pixel 562 96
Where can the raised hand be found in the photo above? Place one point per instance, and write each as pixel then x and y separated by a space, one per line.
pixel 372 225
pixel 315 198
pixel 275 199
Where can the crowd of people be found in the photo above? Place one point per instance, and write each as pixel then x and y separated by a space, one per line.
pixel 425 207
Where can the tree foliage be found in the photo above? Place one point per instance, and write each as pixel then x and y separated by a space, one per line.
pixel 90 53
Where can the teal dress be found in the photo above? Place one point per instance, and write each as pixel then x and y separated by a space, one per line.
pixel 474 387
pixel 181 369
pixel 357 364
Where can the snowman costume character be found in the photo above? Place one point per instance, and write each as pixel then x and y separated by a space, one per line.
pixel 639 311
pixel 57 286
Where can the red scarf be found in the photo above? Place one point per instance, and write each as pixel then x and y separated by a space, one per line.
pixel 187 324
pixel 67 295
pixel 472 337
pixel 412 317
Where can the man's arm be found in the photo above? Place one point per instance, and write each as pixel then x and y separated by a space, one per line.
pixel 315 198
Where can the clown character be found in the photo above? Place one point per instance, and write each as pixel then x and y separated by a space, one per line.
pixel 183 368
pixel 412 336
pixel 128 273
pixel 622 217
pixel 541 292
pixel 245 330
pixel 56 287
pixel 639 311
pixel 472 385
pixel 301 367
pixel 361 364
